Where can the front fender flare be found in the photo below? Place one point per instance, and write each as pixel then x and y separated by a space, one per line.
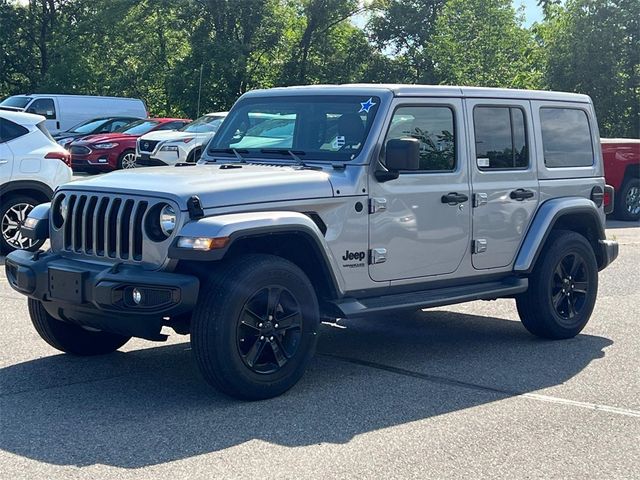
pixel 547 215
pixel 236 226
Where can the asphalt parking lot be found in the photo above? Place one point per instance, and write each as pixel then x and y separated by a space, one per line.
pixel 459 391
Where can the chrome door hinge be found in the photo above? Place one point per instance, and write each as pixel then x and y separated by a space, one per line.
pixel 479 199
pixel 479 245
pixel 377 205
pixel 377 255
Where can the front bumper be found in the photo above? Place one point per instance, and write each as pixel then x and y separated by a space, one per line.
pixel 100 296
pixel 609 252
pixel 102 160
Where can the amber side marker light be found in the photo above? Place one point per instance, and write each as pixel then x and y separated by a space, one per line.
pixel 202 243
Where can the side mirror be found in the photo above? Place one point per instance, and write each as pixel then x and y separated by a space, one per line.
pixel 400 154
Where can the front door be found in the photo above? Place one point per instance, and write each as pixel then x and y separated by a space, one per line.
pixel 47 108
pixel 504 179
pixel 414 231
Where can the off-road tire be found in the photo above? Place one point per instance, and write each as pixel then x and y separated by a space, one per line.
pixel 6 205
pixel 622 206
pixel 216 323
pixel 536 306
pixel 70 338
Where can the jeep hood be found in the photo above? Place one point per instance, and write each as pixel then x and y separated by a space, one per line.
pixel 215 185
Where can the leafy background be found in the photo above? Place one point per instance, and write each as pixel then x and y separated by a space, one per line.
pixel 157 49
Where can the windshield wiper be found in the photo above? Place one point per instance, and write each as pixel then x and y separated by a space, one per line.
pixel 283 151
pixel 234 151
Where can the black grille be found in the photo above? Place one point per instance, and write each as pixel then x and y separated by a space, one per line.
pixel 79 150
pixel 104 226
pixel 147 145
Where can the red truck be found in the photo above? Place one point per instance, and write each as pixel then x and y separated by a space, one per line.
pixel 622 171
pixel 111 151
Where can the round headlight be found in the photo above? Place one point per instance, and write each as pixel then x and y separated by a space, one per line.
pixel 64 208
pixel 167 220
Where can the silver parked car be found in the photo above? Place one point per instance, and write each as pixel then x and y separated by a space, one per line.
pixel 183 145
pixel 325 202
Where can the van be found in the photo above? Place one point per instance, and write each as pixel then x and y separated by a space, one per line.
pixel 65 111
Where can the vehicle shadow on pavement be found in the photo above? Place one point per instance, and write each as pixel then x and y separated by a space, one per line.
pixel 150 406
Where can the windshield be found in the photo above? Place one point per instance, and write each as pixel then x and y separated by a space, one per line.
pixel 206 124
pixel 88 126
pixel 318 127
pixel 15 101
pixel 138 128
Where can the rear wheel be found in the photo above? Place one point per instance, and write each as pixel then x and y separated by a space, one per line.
pixel 628 205
pixel 13 212
pixel 70 338
pixel 254 329
pixel 127 159
pixel 562 288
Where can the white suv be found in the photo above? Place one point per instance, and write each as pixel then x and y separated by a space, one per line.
pixel 184 145
pixel 32 165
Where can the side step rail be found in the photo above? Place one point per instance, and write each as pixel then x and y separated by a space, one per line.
pixel 437 297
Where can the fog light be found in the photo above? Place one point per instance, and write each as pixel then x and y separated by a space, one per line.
pixel 136 295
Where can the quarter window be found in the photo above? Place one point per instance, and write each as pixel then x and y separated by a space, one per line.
pixel 501 139
pixel 43 106
pixel 10 130
pixel 566 137
pixel 434 127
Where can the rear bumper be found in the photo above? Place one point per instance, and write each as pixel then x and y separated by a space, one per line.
pixel 100 296
pixel 609 251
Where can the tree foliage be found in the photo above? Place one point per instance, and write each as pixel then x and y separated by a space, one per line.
pixel 165 50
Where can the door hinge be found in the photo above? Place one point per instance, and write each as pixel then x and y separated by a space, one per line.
pixel 377 255
pixel 479 199
pixel 377 205
pixel 479 245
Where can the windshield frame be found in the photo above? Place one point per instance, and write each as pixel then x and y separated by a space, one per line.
pixel 215 148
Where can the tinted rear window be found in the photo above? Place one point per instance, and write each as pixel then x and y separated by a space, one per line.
pixel 10 130
pixel 566 137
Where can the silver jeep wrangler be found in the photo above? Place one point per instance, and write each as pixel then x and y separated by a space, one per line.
pixel 328 202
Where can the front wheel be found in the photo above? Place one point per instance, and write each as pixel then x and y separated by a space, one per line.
pixel 562 288
pixel 70 338
pixel 127 160
pixel 13 212
pixel 254 329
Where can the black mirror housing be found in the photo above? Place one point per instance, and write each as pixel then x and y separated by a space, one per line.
pixel 402 154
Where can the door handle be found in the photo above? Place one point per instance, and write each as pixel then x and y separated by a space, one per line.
pixel 58 125
pixel 454 198
pixel 521 194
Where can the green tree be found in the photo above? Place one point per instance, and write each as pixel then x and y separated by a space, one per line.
pixel 483 43
pixel 593 47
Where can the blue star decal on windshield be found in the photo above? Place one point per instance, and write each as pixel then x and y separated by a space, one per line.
pixel 366 106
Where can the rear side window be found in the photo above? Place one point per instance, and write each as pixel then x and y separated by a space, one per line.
pixel 10 130
pixel 501 138
pixel 43 128
pixel 566 137
pixel 43 106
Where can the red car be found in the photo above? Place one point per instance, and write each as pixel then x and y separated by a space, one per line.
pixel 622 171
pixel 116 150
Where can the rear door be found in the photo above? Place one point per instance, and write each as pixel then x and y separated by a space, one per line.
pixel 503 176
pixel 49 109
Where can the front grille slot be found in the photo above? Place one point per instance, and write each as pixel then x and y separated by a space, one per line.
pixel 79 150
pixel 148 145
pixel 104 226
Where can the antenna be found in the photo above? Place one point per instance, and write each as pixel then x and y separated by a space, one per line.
pixel 199 91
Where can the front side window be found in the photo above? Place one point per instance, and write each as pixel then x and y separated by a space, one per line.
pixel 314 127
pixel 44 107
pixel 10 130
pixel 434 127
pixel 501 140
pixel 566 137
